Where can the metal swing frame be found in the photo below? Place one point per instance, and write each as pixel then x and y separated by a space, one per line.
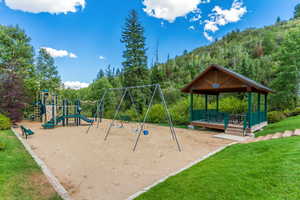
pixel 142 123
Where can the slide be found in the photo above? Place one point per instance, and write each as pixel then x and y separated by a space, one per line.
pixel 51 124
pixel 84 118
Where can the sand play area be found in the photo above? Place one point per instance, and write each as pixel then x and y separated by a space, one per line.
pixel 91 168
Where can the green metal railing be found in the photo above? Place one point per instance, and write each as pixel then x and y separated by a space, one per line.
pixel 215 116
pixel 256 118
pixel 209 116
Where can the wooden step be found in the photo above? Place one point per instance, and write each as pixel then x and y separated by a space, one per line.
pixel 236 126
pixel 237 132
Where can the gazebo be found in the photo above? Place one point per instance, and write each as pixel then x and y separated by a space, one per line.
pixel 216 80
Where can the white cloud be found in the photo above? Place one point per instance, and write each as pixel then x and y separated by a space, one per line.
pixel 192 28
pixel 208 37
pixel 50 6
pixel 101 57
pixel 221 17
pixel 72 55
pixel 59 53
pixel 76 85
pixel 170 9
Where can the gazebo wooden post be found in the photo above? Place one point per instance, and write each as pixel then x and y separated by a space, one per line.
pixel 191 106
pixel 250 108
pixel 217 104
pixel 206 103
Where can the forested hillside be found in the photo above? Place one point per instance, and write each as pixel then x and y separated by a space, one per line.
pixel 269 55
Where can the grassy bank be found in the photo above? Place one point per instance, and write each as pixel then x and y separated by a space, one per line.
pixel 20 176
pixel 290 123
pixel 243 171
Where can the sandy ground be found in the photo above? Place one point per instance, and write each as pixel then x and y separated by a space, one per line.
pixel 91 168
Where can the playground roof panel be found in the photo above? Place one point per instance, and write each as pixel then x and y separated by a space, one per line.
pixel 216 79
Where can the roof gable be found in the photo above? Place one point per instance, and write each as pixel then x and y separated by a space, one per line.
pixel 216 79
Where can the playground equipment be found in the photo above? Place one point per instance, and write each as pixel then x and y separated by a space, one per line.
pixel 127 92
pixel 51 112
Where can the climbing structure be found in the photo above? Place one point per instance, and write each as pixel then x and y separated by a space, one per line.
pixel 52 111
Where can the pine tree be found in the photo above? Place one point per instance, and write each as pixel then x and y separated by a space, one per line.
pixel 135 64
pixel 288 75
pixel 135 71
pixel 47 71
pixel 297 11
pixel 278 20
pixel 100 74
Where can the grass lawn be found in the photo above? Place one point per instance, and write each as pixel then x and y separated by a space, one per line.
pixel 267 170
pixel 20 177
pixel 290 123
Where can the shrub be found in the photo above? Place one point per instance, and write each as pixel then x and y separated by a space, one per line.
pixel 294 112
pixel 180 112
pixel 157 114
pixel 5 122
pixel 2 146
pixel 233 105
pixel 275 116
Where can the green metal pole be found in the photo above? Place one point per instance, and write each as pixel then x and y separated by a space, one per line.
pixel 206 104
pixel 266 106
pixel 217 103
pixel 250 108
pixel 191 106
pixel 258 108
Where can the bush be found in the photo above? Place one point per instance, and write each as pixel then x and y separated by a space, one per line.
pixel 2 146
pixel 232 105
pixel 294 112
pixel 5 122
pixel 157 114
pixel 275 116
pixel 180 112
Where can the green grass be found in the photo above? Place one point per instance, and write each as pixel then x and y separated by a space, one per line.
pixel 290 123
pixel 267 170
pixel 20 177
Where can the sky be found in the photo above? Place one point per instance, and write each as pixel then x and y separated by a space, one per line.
pixel 84 35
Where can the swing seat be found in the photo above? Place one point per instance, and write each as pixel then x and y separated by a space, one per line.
pixel 146 132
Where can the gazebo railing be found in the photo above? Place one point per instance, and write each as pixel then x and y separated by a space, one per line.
pixel 214 116
pixel 209 116
pixel 256 118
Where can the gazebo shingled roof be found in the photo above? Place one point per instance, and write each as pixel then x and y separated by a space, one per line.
pixel 216 79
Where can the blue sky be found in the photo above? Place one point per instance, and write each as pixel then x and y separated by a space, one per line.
pixel 87 32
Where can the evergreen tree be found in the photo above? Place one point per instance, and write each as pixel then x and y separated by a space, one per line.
pixel 100 74
pixel 17 56
pixel 47 72
pixel 135 71
pixel 288 75
pixel 278 20
pixel 297 11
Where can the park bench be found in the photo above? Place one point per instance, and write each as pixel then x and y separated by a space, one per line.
pixel 26 132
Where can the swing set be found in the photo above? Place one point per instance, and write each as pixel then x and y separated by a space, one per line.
pixel 141 121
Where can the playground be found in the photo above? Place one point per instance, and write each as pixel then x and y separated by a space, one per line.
pixel 91 168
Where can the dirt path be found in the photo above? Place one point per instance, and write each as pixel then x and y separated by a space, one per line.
pixel 91 168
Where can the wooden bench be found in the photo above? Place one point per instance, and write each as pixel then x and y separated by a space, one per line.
pixel 26 132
